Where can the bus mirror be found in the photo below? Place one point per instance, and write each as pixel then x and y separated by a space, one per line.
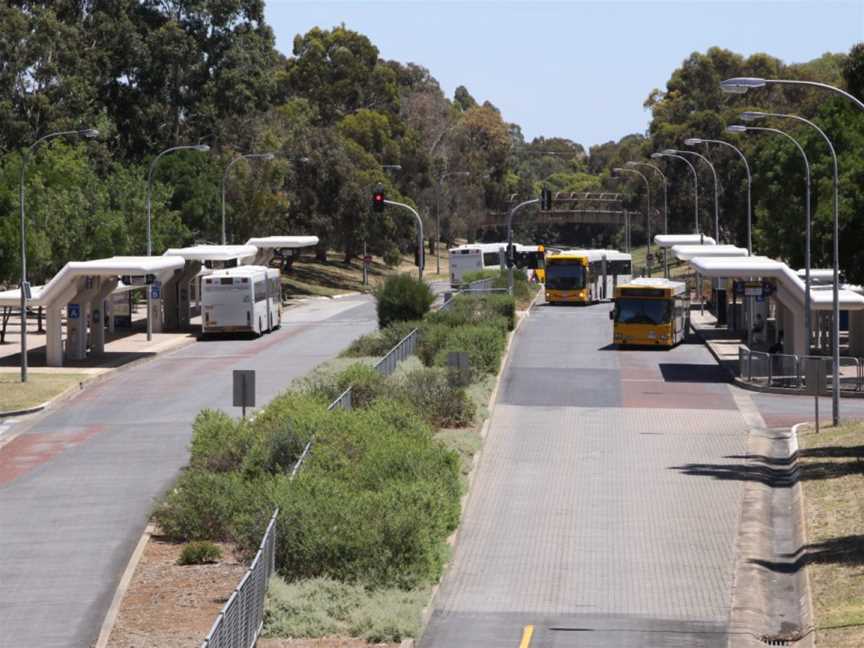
pixel 612 315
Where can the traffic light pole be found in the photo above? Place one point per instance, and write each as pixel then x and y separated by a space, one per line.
pixel 421 256
pixel 510 215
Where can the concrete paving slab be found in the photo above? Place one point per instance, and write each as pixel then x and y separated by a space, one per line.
pixel 578 516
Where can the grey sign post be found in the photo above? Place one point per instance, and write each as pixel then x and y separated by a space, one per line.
pixel 814 381
pixel 244 389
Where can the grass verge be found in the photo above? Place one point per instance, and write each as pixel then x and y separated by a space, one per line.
pixel 323 607
pixel 832 468
pixel 15 395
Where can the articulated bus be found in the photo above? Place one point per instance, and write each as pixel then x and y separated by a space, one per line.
pixel 653 312
pixel 475 257
pixel 242 299
pixel 577 276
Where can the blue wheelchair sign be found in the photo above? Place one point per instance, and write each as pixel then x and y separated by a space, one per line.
pixel 155 290
pixel 73 311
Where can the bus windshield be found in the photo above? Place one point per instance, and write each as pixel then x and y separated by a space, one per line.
pixel 567 275
pixel 643 311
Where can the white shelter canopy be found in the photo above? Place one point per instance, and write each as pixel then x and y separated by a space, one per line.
pixel 111 267
pixel 670 240
pixel 214 252
pixel 686 252
pixel 786 278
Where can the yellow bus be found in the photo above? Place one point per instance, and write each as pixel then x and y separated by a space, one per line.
pixel 652 312
pixel 585 276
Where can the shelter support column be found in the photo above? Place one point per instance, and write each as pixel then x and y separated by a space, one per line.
pixel 76 317
pixel 175 294
pixel 856 333
pixel 104 287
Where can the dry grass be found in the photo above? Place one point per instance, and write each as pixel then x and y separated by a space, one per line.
pixel 832 466
pixel 40 387
pixel 310 277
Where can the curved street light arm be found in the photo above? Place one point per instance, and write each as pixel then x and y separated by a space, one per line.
pixel 741 85
pixel 808 318
pixel 420 251
pixel 695 186
pixel 716 189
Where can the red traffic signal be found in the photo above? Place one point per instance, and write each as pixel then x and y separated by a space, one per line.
pixel 378 200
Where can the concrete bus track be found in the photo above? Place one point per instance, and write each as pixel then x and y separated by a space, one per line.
pixel 79 480
pixel 607 504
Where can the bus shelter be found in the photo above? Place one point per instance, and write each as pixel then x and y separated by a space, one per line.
pixel 775 280
pixel 81 289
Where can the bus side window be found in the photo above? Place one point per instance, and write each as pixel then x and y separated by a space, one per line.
pixel 260 290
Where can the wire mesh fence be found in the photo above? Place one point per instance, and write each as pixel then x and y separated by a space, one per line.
pixel 406 347
pixel 240 621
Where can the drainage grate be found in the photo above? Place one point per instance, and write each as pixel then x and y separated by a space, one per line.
pixel 775 641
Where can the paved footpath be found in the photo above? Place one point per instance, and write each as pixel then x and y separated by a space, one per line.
pixel 583 520
pixel 77 483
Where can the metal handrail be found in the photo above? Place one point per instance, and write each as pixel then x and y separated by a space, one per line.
pixel 797 378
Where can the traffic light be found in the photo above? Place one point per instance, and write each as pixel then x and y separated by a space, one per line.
pixel 378 199
pixel 511 255
pixel 545 199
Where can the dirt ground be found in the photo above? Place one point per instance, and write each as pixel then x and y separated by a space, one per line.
pixel 173 606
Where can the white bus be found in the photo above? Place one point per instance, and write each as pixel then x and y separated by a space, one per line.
pixel 241 299
pixel 476 257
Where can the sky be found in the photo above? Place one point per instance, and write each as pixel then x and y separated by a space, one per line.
pixel 580 70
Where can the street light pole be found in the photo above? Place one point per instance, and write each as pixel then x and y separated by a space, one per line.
pixel 694 141
pixel 421 252
pixel 510 260
pixel 835 327
pixel 716 186
pixel 193 147
pixel 441 179
pixel 657 156
pixel 808 318
pixel 248 156
pixel 647 213
pixel 89 133
pixel 633 163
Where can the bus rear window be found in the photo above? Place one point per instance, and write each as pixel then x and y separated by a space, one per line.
pixel 226 281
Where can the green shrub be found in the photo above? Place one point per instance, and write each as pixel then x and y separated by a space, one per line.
pixel 322 607
pixel 492 309
pixel 433 336
pixel 402 298
pixel 392 257
pixel 281 431
pixel 380 342
pixel 484 345
pixel 203 505
pixel 503 306
pixel 200 552
pixel 468 277
pixel 365 382
pixel 432 393
pixel 219 442
pixel 374 504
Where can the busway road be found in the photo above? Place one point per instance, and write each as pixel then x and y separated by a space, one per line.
pixel 77 484
pixel 582 521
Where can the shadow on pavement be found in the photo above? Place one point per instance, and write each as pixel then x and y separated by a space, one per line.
pixel 777 477
pixel 846 550
pixel 693 373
